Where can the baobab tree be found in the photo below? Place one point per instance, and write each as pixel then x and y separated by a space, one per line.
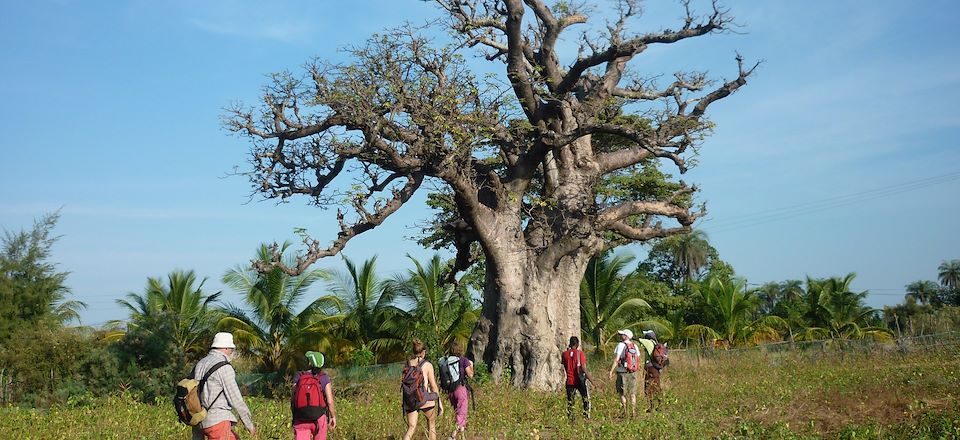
pixel 529 159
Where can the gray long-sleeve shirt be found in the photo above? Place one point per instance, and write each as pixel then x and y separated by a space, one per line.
pixel 223 380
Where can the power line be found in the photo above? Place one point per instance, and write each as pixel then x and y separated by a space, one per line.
pixel 775 214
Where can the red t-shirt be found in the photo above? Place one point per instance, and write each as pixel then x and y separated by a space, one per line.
pixel 570 364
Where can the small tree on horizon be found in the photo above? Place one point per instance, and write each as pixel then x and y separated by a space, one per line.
pixel 32 290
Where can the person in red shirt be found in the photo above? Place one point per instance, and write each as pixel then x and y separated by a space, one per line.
pixel 575 366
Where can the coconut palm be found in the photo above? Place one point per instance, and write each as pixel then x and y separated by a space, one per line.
pixel 177 309
pixel 271 329
pixel 64 311
pixel 774 296
pixel 727 309
pixel 836 312
pixel 368 306
pixel 949 274
pixel 436 312
pixel 768 295
pixel 606 301
pixel 923 291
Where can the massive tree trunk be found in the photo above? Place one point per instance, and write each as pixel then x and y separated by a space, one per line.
pixel 529 313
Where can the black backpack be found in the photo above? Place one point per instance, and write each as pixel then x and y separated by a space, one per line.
pixel 450 375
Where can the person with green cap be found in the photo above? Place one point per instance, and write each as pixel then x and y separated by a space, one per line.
pixel 312 402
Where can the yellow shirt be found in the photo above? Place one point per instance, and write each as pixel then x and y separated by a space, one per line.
pixel 648 344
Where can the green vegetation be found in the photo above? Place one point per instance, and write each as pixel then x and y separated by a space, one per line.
pixel 272 331
pixel 843 369
pixel 607 300
pixel 728 309
pixel 32 290
pixel 812 392
pixel 439 313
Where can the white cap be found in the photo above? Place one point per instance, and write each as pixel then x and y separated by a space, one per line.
pixel 223 340
pixel 627 332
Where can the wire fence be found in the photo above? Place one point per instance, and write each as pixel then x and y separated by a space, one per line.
pixel 697 356
pixel 821 348
pixel 353 378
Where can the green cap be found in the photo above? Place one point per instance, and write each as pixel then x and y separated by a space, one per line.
pixel 315 358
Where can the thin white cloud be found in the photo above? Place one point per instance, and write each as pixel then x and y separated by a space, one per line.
pixel 275 21
pixel 248 27
pixel 142 213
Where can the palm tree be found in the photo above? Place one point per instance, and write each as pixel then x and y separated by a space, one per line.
pixel 177 310
pixel 606 301
pixel 836 312
pixel 923 291
pixel 949 274
pixel 769 295
pixel 779 296
pixel 273 331
pixel 64 311
pixel 368 306
pixel 691 253
pixel 438 313
pixel 727 308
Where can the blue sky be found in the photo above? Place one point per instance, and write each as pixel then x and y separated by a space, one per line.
pixel 841 154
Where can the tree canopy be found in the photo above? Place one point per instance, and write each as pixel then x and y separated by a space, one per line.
pixel 528 157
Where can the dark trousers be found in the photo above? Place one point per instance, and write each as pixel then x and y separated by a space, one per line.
pixel 584 394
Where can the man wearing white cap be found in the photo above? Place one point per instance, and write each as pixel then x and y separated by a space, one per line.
pixel 626 363
pixel 221 395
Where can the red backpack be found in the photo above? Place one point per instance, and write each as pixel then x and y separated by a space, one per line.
pixel 309 402
pixel 630 359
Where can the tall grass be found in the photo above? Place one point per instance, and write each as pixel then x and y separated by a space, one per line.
pixel 785 394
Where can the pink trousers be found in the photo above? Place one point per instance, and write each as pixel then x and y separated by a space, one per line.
pixel 311 430
pixel 459 399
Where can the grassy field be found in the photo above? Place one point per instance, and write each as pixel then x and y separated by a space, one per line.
pixel 882 393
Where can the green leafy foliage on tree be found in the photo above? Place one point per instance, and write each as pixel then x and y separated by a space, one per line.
pixel 47 365
pixel 32 290
pixel 436 312
pixel 176 310
pixel 835 311
pixel 684 258
pixel 273 329
pixel 609 300
pixel 368 305
pixel 728 309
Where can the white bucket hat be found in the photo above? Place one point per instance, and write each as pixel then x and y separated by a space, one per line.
pixel 223 340
pixel 627 332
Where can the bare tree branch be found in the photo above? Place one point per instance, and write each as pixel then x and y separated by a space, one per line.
pixel 369 221
pixel 618 53
pixel 666 207
pixel 726 89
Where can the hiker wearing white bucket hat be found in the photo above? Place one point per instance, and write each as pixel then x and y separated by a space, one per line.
pixel 223 340
pixel 221 395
